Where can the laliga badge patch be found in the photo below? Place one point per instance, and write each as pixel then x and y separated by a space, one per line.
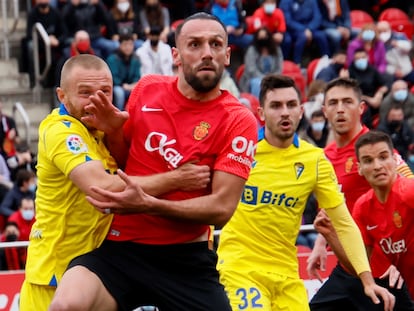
pixel 75 144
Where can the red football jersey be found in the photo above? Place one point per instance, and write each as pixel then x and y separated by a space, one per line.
pixel 353 185
pixel 389 227
pixel 166 130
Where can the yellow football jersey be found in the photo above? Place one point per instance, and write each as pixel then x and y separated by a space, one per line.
pixel 261 234
pixel 66 224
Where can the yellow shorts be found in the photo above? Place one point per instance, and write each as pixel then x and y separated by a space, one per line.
pixel 36 297
pixel 254 290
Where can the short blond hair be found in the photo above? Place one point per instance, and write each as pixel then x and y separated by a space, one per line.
pixel 86 61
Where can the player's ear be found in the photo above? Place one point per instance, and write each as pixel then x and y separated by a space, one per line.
pixel 176 56
pixel 359 169
pixel 261 113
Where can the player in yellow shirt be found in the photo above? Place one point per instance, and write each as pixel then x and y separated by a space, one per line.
pixel 257 253
pixel 71 158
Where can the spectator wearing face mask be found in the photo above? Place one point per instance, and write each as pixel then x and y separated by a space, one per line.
pixel 17 229
pixel 81 44
pixel 263 57
pixel 24 186
pixel 155 55
pixel 399 95
pixel 154 14
pixel 398 48
pixel 125 21
pixel 317 131
pixel 271 17
pixel 397 128
pixel 314 100
pixel 335 69
pixel 368 40
pixel 91 16
pixel 372 84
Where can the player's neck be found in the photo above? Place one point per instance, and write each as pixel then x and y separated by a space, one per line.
pixel 188 92
pixel 343 139
pixel 278 142
pixel 382 193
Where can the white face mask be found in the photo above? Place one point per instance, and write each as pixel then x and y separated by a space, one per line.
pixel 123 6
pixel 318 126
pixel 385 36
pixel 404 46
pixel 269 8
pixel 28 214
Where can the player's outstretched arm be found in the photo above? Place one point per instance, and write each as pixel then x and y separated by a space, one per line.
pixel 351 240
pixel 215 208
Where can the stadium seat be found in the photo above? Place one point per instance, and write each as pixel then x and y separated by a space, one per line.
pixel 292 70
pixel 175 24
pixel 403 26
pixel 391 14
pixel 250 27
pixel 359 18
pixel 239 73
pixel 254 105
pixel 310 70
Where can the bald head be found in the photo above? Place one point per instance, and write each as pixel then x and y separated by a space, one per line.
pixel 383 26
pixel 85 61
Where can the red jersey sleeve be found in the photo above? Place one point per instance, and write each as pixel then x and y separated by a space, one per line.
pixel 239 142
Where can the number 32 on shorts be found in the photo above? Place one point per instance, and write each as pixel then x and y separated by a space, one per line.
pixel 249 298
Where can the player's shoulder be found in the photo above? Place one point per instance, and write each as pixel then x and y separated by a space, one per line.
pixel 235 109
pixel 309 149
pixel 364 199
pixel 155 81
pixel 404 187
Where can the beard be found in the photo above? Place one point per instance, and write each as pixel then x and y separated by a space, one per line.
pixel 203 84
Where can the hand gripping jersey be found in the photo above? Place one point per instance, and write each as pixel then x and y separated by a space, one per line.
pixel 166 130
pixel 261 234
pixel 389 227
pixel 66 224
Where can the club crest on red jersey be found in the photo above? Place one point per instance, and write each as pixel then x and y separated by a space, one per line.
pixel 349 164
pixel 396 218
pixel 201 131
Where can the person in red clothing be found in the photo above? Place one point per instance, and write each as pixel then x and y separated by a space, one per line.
pixel 18 229
pixel 343 108
pixel 385 214
pixel 156 251
pixel 271 17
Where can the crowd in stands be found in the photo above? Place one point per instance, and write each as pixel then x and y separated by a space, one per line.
pixel 266 33
pixel 337 38
pixel 17 193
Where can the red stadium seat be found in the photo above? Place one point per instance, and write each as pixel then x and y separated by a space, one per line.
pixel 391 14
pixel 292 70
pixel 404 26
pixel 250 27
pixel 290 67
pixel 239 73
pixel 175 24
pixel 359 18
pixel 311 69
pixel 254 105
